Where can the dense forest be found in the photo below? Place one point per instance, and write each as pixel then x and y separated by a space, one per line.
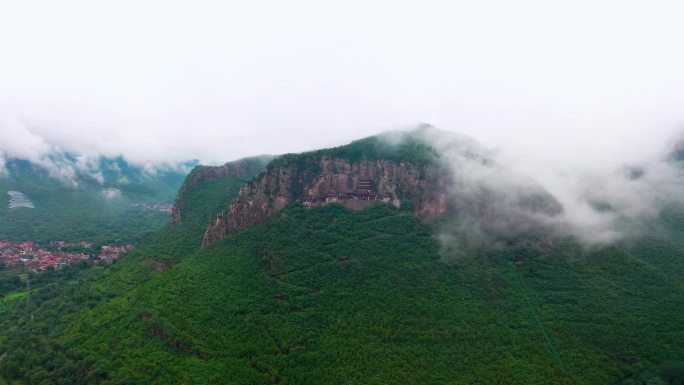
pixel 328 295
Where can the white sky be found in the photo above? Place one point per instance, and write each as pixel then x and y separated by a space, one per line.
pixel 555 81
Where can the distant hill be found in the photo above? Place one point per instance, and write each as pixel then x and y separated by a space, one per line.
pixel 137 183
pixel 285 271
pixel 99 200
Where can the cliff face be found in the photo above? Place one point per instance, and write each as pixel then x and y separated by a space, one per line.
pixel 243 168
pixel 324 179
pixel 426 171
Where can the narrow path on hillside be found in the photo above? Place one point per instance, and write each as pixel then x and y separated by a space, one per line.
pixel 292 285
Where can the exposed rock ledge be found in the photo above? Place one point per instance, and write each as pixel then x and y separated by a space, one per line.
pixel 324 179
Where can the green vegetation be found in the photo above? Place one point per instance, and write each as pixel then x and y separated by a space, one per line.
pixel 334 296
pixel 204 195
pixel 394 146
pixel 73 215
pixel 84 213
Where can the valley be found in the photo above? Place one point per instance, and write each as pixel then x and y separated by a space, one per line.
pixel 363 193
pixel 300 288
pixel 121 204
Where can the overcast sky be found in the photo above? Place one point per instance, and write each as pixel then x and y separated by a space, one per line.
pixel 156 81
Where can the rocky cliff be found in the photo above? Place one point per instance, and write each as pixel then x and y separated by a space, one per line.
pixel 425 171
pixel 323 179
pixel 243 168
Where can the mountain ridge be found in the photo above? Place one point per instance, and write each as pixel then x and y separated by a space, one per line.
pixel 324 294
pixel 400 168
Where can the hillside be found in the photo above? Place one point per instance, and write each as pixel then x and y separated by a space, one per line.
pixel 328 293
pixel 196 194
pixel 107 201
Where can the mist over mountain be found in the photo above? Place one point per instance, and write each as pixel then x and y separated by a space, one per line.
pixel 74 164
pixel 582 175
pixel 467 193
pixel 416 255
pixel 234 89
pixel 77 198
pixel 602 203
pixel 103 174
pixel 599 204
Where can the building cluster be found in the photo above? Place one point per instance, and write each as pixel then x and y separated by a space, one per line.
pixel 155 207
pixel 362 192
pixel 111 253
pixel 31 256
pixel 59 245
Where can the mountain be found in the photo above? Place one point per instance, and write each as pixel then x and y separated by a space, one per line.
pixel 397 168
pixel 140 183
pixel 263 277
pixel 101 200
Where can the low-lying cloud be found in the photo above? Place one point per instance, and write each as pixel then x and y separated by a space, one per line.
pixel 493 195
pixel 234 81
pixel 570 107
pixel 604 205
pixel 20 143
pixel 3 170
pixel 73 161
pixel 111 193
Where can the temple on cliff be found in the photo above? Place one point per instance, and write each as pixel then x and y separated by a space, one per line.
pixel 364 191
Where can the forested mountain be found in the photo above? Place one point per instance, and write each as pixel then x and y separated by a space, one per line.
pixel 393 260
pixel 98 200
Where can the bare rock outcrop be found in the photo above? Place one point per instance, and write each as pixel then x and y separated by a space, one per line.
pixel 325 179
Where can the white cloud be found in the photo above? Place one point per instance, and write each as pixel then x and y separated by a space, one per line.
pixel 218 81
pixel 111 193
pixel 566 92
pixel 597 204
pixel 88 165
pixel 20 142
pixel 3 169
